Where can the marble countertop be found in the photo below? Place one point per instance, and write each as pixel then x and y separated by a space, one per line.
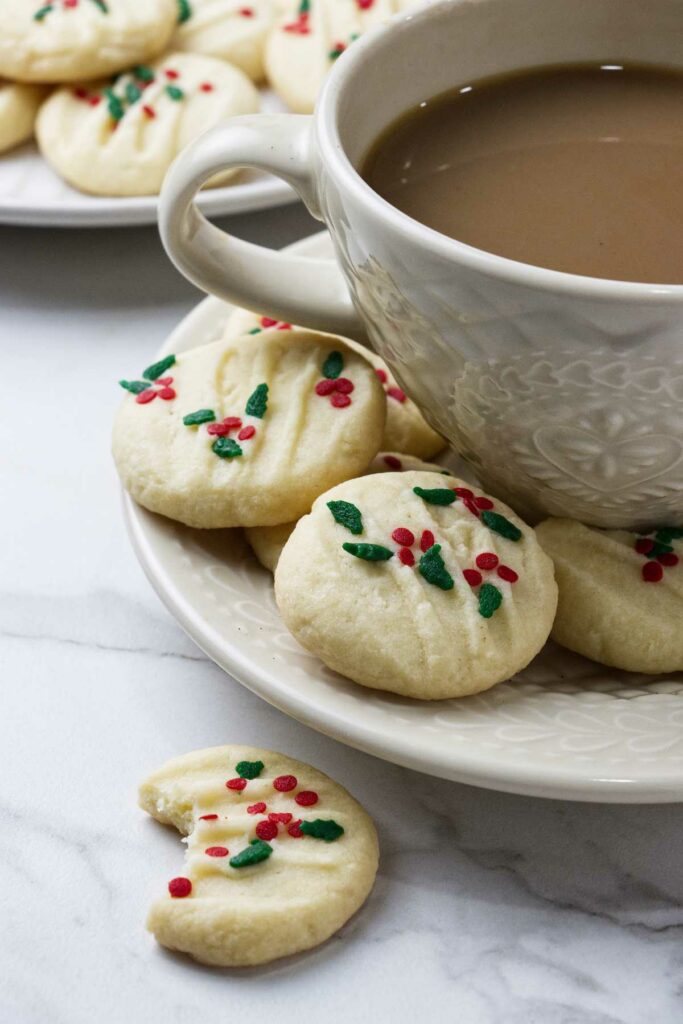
pixel 488 909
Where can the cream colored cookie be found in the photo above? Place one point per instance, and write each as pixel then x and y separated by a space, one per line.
pixel 237 434
pixel 19 105
pixel 310 36
pixel 406 429
pixel 234 30
pixel 411 582
pixel 73 40
pixel 121 139
pixel 620 594
pixel 267 542
pixel 278 855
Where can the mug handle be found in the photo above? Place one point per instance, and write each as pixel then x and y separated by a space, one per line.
pixel 310 292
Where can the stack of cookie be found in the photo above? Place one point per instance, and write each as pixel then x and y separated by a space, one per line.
pixel 114 89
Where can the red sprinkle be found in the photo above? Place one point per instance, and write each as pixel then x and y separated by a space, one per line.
pixel 427 540
pixel 406 556
pixel 483 503
pixel 148 111
pixel 180 887
pixel 267 321
pixel 258 808
pixel 219 429
pixel 668 559
pixel 283 816
pixel 284 327
pixel 238 784
pixel 216 851
pixel 644 545
pixel 364 5
pixel 81 94
pixel 208 817
pixel 95 101
pixel 167 394
pixel 234 422
pixel 397 394
pixel 206 87
pixel 382 374
pixel 306 798
pixel 392 462
pixel 295 829
pixel 340 401
pixel 472 576
pixel 145 396
pixel 487 560
pixel 471 507
pixel 325 387
pixel 266 830
pixel 283 783
pixel 652 572
pixel 246 12
pixel 464 492
pixel 71 3
pixel 403 537
pixel 343 385
pixel 245 433
pixel 507 574
pixel 171 74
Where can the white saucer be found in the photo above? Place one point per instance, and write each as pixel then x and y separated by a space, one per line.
pixel 565 727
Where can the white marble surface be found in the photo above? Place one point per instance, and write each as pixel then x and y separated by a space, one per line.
pixel 488 908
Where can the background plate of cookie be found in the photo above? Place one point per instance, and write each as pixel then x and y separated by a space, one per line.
pixel 565 727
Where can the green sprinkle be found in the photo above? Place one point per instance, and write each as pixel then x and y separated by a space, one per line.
pixel 346 515
pixel 156 369
pixel 333 365
pixel 184 11
pixel 369 552
pixel 143 73
pixel 257 403
pixel 195 419
pixel 436 495
pixel 669 533
pixel 102 6
pixel 249 769
pixel 305 6
pixel 333 54
pixel 226 448
pixel 490 600
pixel 321 828
pixel 499 524
pixel 252 854
pixel 114 105
pixel 174 92
pixel 133 92
pixel 433 569
pixel 42 13
pixel 136 386
pixel 659 549
pixel 255 330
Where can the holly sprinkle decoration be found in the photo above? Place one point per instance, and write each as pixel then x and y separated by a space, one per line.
pixel 301 26
pixel 333 385
pixel 226 447
pixel 154 384
pixel 657 548
pixel 266 323
pixel 127 92
pixel 490 597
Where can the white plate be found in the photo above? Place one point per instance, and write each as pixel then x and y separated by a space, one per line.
pixel 31 193
pixel 565 727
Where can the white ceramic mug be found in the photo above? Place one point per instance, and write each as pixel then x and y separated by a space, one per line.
pixel 564 392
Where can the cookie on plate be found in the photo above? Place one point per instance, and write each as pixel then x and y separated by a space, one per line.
pixel 73 40
pixel 267 542
pixel 278 855
pixel 406 429
pixel 413 583
pixel 237 434
pixel 19 104
pixel 231 29
pixel 620 594
pixel 119 139
pixel 310 36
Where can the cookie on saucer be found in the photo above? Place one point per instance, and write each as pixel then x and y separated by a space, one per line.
pixel 417 584
pixel 406 428
pixel 278 855
pixel 19 104
pixel 73 40
pixel 231 29
pixel 267 542
pixel 237 434
pixel 620 594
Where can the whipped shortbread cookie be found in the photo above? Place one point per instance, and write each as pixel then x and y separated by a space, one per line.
pixel 237 434
pixel 310 36
pixel 19 104
pixel 406 429
pixel 620 594
pixel 73 40
pixel 120 138
pixel 267 542
pixel 278 855
pixel 414 583
pixel 234 30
